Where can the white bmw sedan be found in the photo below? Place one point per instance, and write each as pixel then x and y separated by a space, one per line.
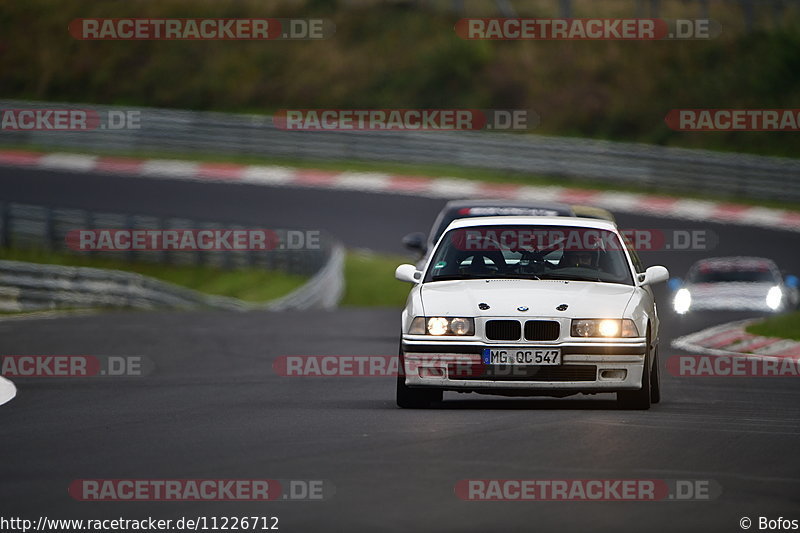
pixel 524 306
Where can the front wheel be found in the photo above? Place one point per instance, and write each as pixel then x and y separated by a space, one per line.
pixel 409 398
pixel 655 381
pixel 642 398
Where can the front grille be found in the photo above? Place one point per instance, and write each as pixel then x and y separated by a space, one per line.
pixel 522 372
pixel 503 330
pixel 542 330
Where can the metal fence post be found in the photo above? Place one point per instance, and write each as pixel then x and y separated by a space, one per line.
pixel 5 221
pixel 49 229
pixel 130 222
pixel 748 9
pixel 565 9
pixel 655 8
pixel 704 11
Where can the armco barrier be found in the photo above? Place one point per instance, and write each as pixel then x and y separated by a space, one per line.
pixel 650 167
pixel 33 287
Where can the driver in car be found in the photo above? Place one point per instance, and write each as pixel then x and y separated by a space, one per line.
pixel 580 258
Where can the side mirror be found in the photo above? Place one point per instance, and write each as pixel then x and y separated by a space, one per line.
pixel 408 273
pixel 416 242
pixel 653 275
pixel 792 281
pixel 674 284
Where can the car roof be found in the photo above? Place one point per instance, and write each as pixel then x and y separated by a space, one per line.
pixel 492 202
pixel 735 261
pixel 594 223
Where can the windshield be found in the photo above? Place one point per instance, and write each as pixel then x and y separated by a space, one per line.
pixel 530 252
pixel 729 276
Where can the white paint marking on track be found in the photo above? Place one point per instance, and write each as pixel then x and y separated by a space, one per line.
pixel 158 168
pixel 7 391
pixel 72 162
pixel 362 181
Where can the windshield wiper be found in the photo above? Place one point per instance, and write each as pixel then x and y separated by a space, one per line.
pixel 573 278
pixel 520 276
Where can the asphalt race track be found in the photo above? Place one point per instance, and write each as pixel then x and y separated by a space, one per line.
pixel 214 408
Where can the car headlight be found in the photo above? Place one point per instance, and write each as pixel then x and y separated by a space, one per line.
pixel 682 301
pixel 774 298
pixel 604 327
pixel 439 325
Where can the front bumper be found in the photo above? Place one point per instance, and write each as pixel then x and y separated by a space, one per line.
pixel 588 367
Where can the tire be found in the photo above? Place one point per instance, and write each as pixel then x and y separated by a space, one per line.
pixel 411 398
pixel 639 399
pixel 655 380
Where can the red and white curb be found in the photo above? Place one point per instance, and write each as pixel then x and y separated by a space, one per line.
pixel 732 339
pixel 7 391
pixel 449 188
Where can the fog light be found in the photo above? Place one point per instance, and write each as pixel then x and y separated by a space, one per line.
pixel 617 375
pixel 431 372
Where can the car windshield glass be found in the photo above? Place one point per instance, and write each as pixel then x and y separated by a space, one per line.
pixel 701 275
pixel 530 252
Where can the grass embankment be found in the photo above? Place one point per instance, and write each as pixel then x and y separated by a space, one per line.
pixel 369 277
pixel 783 326
pixel 370 280
pixel 248 284
pixel 388 55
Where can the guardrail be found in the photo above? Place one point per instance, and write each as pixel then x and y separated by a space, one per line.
pixel 33 226
pixel 754 13
pixel 29 286
pixel 651 167
pixel 33 287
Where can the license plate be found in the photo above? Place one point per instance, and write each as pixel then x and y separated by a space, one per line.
pixel 521 356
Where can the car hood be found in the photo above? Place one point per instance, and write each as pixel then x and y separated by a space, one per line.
pixel 584 299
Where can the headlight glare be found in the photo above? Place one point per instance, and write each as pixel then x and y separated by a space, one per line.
pixel 439 325
pixel 609 328
pixel 682 301
pixel 460 326
pixel 594 327
pixel 774 298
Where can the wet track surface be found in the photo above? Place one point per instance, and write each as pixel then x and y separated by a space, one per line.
pixel 214 407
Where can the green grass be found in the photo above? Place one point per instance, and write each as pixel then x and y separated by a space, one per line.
pixel 370 280
pixel 423 170
pixel 369 277
pixel 783 326
pixel 248 284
